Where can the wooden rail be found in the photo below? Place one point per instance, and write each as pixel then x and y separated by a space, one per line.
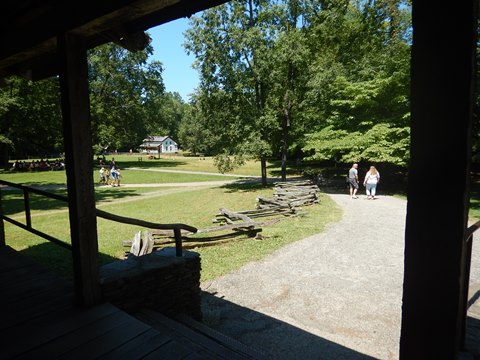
pixel 176 227
pixel 28 218
pixel 470 230
pixel 466 264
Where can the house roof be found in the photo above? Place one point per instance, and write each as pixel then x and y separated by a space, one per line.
pixel 29 29
pixel 155 140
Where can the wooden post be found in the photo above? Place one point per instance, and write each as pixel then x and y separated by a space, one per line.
pixel 442 99
pixel 2 224
pixel 178 242
pixel 263 164
pixel 79 158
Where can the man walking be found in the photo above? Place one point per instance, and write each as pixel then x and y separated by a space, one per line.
pixel 353 181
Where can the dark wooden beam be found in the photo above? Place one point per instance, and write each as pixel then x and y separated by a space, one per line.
pixel 27 42
pixel 442 99
pixel 2 225
pixel 184 8
pixel 79 159
pixel 84 18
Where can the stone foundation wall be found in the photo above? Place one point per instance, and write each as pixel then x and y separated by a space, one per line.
pixel 159 281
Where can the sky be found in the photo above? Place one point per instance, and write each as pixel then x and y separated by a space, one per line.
pixel 178 74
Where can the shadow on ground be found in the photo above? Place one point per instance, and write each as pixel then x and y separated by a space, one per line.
pixel 472 345
pixel 13 199
pixel 341 187
pixel 274 338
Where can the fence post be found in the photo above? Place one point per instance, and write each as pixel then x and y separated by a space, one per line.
pixel 178 242
pixel 26 200
pixel 465 270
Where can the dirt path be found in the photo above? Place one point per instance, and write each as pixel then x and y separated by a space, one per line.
pixel 193 172
pixel 335 295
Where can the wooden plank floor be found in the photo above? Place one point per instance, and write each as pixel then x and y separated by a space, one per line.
pixel 38 320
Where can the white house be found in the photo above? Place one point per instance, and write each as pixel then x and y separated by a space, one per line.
pixel 159 144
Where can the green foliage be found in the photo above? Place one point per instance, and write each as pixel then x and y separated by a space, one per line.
pixel 192 134
pixel 126 93
pixel 226 163
pixel 273 71
pixel 127 103
pixel 165 118
pixel 31 121
pixel 270 73
pixel 161 205
pixel 251 56
pixel 379 144
pixel 362 100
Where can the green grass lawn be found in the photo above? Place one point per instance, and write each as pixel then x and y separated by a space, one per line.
pixel 137 172
pixel 128 176
pixel 474 211
pixel 190 205
pixel 191 163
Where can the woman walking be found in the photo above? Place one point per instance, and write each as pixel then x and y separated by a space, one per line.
pixel 371 180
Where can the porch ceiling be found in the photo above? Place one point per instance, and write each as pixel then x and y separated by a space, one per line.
pixel 29 28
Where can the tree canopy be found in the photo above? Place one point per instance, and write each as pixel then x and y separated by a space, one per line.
pixel 322 80
pixel 127 102
pixel 302 79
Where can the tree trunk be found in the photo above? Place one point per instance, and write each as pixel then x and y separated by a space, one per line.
pixel 3 156
pixel 263 162
pixel 285 128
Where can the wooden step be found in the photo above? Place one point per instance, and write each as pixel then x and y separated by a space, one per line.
pixel 209 343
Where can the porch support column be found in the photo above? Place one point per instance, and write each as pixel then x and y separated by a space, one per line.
pixel 442 98
pixel 2 225
pixel 79 159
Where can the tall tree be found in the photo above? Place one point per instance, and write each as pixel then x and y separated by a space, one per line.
pixel 164 114
pixel 289 72
pixel 193 134
pixel 124 88
pixel 230 43
pixel 252 58
pixel 7 101
pixel 358 94
pixel 127 102
pixel 31 123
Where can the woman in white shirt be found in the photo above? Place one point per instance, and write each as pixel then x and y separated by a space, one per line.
pixel 371 180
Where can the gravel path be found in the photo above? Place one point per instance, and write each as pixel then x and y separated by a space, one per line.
pixel 335 295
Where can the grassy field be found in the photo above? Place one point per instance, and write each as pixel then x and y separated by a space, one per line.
pixel 191 205
pixel 474 211
pixel 141 172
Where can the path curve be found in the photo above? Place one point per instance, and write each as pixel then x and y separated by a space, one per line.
pixel 334 295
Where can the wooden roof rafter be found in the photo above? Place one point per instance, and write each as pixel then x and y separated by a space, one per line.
pixel 29 29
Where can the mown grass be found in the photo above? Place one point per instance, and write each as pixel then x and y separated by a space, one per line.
pixel 221 259
pixel 143 172
pixel 474 210
pixel 189 205
pixel 200 164
pixel 128 176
